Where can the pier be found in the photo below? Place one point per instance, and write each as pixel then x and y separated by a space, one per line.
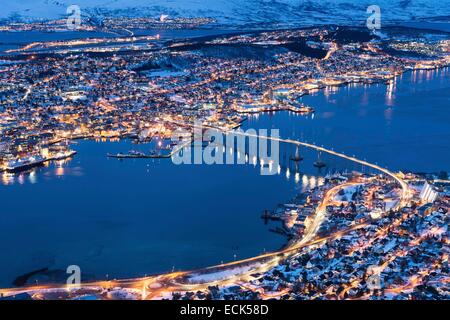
pixel 39 162
pixel 136 156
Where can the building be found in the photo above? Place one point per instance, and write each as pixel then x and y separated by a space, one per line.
pixel 428 194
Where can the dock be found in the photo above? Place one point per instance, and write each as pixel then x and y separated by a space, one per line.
pixel 139 155
pixel 38 163
pixel 136 156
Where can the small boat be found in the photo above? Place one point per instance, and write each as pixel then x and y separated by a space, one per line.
pixel 24 163
pixel 297 156
pixel 319 164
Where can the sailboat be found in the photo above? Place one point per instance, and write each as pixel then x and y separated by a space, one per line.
pixel 319 164
pixel 297 156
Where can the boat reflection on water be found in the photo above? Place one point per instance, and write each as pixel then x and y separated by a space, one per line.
pixel 292 167
pixel 7 178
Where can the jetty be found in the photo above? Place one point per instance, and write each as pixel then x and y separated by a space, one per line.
pixel 137 156
pixel 31 162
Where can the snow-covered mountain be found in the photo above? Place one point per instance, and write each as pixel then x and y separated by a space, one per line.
pixel 239 12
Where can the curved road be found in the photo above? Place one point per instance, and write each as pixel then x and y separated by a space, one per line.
pixel 243 268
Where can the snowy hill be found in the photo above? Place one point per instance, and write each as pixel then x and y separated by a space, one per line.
pixel 233 12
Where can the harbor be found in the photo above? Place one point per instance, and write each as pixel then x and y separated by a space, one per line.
pixel 139 213
pixel 27 163
pixel 151 187
pixel 276 107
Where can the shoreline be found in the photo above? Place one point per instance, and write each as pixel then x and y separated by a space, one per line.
pixel 308 92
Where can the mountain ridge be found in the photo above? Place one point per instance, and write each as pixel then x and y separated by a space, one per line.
pixel 232 12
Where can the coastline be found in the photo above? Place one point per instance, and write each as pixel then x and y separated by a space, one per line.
pixel 308 92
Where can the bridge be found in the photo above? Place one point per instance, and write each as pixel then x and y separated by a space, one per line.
pixel 233 272
pixel 406 192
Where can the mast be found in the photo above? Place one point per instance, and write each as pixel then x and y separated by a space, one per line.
pixel 297 157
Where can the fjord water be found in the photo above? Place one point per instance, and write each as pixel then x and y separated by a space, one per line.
pixel 15 40
pixel 129 218
pixel 134 217
pixel 403 126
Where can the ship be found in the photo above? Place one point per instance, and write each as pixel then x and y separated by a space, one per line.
pixel 63 155
pixel 24 163
pixel 302 108
pixel 29 162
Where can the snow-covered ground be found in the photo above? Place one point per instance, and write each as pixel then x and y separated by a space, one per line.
pixel 219 275
pixel 239 12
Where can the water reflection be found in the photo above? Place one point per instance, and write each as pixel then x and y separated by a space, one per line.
pixel 56 168
pixel 32 177
pixel 285 164
pixel 7 178
pixel 139 203
pixel 59 171
pixel 390 90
